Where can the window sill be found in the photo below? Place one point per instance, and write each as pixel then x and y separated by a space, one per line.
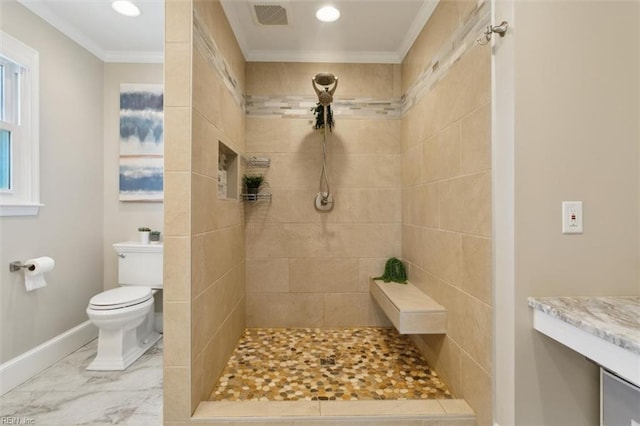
pixel 19 209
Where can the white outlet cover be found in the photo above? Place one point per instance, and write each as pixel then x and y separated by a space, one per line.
pixel 572 219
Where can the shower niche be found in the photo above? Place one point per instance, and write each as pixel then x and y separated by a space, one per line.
pixel 227 173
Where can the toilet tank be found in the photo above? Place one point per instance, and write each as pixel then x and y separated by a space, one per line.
pixel 139 264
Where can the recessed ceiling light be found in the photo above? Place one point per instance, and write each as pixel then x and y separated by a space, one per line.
pixel 328 14
pixel 126 8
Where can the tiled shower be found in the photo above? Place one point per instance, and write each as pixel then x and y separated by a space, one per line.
pixel 409 160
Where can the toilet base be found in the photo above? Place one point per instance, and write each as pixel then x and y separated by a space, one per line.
pixel 108 363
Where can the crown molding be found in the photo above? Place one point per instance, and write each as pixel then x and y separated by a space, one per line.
pixel 323 57
pixel 133 57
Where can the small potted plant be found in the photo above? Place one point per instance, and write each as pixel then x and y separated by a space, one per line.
pixel 154 236
pixel 253 183
pixel 144 234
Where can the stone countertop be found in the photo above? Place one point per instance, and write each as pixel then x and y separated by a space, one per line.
pixel 613 319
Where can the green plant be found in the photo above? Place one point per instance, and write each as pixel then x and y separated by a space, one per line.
pixel 394 271
pixel 144 229
pixel 253 181
pixel 319 113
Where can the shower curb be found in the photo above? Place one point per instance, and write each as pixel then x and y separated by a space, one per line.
pixel 453 412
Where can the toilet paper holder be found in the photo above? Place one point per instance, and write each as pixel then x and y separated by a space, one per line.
pixel 17 265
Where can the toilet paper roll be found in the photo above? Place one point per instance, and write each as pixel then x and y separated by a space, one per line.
pixel 33 275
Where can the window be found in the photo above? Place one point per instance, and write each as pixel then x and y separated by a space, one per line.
pixel 19 148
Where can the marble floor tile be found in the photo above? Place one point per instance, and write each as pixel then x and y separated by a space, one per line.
pixel 67 394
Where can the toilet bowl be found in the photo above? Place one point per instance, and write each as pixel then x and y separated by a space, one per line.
pixel 125 315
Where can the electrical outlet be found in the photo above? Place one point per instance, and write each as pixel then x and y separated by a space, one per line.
pixel 572 217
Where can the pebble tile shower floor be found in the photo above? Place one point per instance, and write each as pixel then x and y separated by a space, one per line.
pixel 362 363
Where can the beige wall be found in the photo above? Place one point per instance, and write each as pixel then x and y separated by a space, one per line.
pixel 204 244
pixel 446 205
pixel 69 226
pixel 121 220
pixel 307 268
pixel 576 138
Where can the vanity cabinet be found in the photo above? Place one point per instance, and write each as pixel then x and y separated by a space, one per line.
pixel 619 401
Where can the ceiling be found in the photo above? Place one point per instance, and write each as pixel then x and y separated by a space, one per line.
pixel 372 31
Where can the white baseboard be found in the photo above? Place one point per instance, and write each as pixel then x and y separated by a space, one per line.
pixel 21 368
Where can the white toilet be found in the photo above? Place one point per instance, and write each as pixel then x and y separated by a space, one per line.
pixel 125 315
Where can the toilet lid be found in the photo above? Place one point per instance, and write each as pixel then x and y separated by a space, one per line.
pixel 120 297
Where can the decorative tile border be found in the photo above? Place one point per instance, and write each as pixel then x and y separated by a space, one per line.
pixel 300 107
pixel 206 45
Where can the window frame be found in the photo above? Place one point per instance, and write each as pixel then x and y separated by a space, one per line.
pixel 23 198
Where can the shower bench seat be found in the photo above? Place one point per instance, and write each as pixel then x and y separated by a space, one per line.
pixel 410 310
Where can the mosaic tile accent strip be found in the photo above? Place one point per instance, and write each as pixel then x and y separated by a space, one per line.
pixel 300 107
pixel 363 363
pixel 463 39
pixel 206 45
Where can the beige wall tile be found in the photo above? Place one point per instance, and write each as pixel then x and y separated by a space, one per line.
pixel 367 205
pixel 218 351
pixel 367 268
pixel 285 310
pixel 217 256
pixel 428 283
pixel 476 268
pixel 413 242
pixel 443 355
pixel 323 275
pixel 177 139
pixel 477 324
pixel 363 171
pixel 476 140
pixel 267 275
pixel 204 151
pixel 302 207
pixel 266 135
pixel 312 240
pixel 204 194
pixel 176 402
pixel 346 309
pixel 365 136
pixel 177 74
pixel 365 239
pixel 412 166
pixel 424 206
pixel 197 389
pixel 267 240
pixel 441 155
pixel 177 220
pixel 473 73
pixel 201 327
pixel 177 268
pixel 441 253
pixel 475 383
pixel 465 204
pixel 207 90
pixel 356 80
pixel 177 339
pixel 177 25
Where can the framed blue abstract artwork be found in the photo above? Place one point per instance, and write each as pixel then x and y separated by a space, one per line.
pixel 141 142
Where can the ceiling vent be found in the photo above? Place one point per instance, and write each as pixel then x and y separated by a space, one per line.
pixel 270 12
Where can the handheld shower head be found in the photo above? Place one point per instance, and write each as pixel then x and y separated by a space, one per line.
pixel 324 79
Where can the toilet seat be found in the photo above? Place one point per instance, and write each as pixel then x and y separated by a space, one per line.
pixel 120 297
